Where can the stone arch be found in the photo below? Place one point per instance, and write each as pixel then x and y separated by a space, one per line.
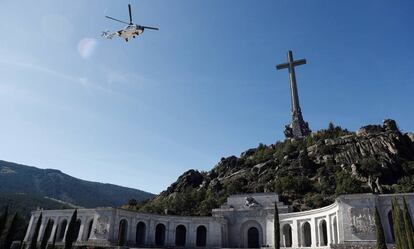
pixel 390 222
pixel 201 237
pixel 334 231
pixel 253 238
pixel 123 232
pixel 160 234
pixel 251 234
pixel 141 233
pixel 287 235
pixel 306 235
pixel 323 233
pixel 61 230
pixel 47 232
pixel 180 235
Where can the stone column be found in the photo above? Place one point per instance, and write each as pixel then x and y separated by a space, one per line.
pixel 66 231
pixel 53 232
pixel 328 230
pixel 295 234
pixel 191 235
pixel 133 231
pixel 41 230
pixel 314 236
pixel 29 229
pixel 82 226
pixel 170 234
pixel 150 240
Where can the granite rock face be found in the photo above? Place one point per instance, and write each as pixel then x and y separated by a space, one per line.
pixel 373 159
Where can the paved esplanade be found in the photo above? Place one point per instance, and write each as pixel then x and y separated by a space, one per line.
pixel 298 127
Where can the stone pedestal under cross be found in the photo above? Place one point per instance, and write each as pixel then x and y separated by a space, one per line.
pixel 298 128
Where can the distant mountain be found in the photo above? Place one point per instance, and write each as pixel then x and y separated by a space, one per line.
pixel 55 185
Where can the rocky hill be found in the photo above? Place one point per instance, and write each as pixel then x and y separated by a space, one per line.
pixel 307 173
pixel 55 185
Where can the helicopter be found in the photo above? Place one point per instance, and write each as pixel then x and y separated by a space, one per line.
pixel 132 30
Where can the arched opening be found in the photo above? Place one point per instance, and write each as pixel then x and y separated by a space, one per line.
pixel 390 221
pixel 123 231
pixel 323 233
pixel 77 229
pixel 62 230
pixel 180 235
pixel 306 235
pixel 160 235
pixel 141 232
pixel 253 238
pixel 90 225
pixel 201 240
pixel 335 231
pixel 287 235
pixel 47 233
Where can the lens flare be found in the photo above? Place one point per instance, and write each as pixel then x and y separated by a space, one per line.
pixel 86 47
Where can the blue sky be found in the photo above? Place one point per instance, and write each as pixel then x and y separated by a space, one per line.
pixel 204 87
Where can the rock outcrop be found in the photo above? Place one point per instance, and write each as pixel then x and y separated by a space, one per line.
pixel 309 172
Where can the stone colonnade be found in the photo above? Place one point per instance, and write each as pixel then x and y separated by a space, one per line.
pixel 110 226
pixel 313 228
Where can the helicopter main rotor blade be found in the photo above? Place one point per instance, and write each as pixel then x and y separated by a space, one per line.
pixel 116 19
pixel 146 27
pixel 130 14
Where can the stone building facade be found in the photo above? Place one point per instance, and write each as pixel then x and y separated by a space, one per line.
pixel 245 221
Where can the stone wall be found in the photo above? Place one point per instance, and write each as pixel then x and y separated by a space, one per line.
pixel 359 246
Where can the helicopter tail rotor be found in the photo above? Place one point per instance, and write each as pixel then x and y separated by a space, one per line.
pixel 146 27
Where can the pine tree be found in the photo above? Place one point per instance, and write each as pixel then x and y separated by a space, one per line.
pixel 408 226
pixel 33 243
pixel 70 234
pixel 276 228
pixel 14 226
pixel 3 219
pixel 381 244
pixel 398 224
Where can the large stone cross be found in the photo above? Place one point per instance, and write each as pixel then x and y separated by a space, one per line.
pixel 298 127
pixel 291 64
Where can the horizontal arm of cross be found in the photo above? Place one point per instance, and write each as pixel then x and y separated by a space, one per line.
pixel 295 63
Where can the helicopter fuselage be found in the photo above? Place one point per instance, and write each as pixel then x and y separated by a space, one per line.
pixel 131 31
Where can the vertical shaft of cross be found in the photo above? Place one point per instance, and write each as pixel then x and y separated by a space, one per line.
pixel 293 86
pixel 298 127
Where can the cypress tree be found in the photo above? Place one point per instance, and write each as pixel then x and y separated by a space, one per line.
pixel 408 226
pixel 46 234
pixel 381 244
pixel 276 225
pixel 14 226
pixel 70 234
pixel 398 223
pixel 33 243
pixel 3 219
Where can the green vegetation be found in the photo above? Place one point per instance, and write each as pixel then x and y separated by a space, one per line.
pixel 399 227
pixel 408 225
pixel 306 173
pixel 276 228
pixel 381 244
pixel 33 243
pixel 71 232
pixel 3 219
pixel 16 178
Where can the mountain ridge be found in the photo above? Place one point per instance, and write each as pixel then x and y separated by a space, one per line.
pixel 53 183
